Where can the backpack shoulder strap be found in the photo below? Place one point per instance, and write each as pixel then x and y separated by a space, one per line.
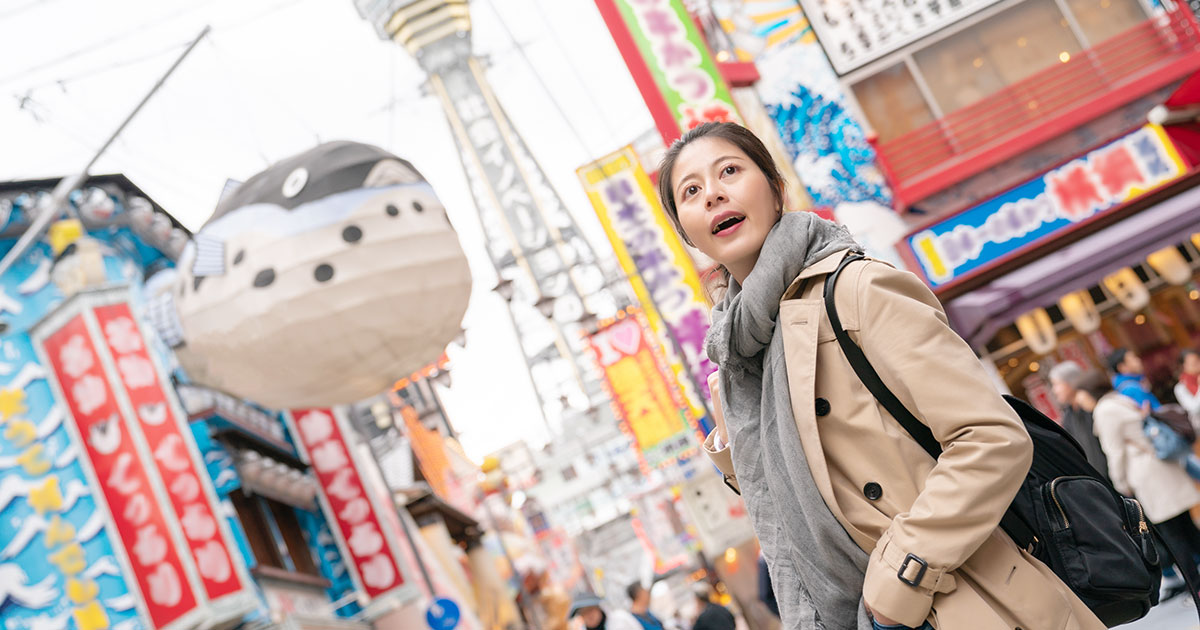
pixel 1011 523
pixel 866 372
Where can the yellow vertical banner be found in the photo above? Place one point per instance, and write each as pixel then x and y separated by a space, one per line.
pixel 645 398
pixel 662 274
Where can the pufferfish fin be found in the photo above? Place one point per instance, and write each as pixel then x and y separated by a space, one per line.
pixel 163 314
pixel 210 256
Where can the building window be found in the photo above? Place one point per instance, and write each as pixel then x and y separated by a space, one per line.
pixel 943 76
pixel 569 473
pixel 1102 19
pixel 274 533
pixel 892 102
pixel 999 51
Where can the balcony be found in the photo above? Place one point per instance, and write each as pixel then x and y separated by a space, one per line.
pixel 1098 80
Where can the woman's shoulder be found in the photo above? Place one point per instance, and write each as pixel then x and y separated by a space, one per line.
pixel 1116 407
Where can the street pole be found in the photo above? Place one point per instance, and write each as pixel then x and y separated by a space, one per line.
pixel 58 198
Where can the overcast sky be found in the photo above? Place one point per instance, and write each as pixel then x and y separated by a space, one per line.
pixel 275 78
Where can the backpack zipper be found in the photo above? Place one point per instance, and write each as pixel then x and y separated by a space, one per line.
pixel 1054 495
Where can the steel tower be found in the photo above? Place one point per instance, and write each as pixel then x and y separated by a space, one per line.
pixel 549 274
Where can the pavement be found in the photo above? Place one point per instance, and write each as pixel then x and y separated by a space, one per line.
pixel 1177 613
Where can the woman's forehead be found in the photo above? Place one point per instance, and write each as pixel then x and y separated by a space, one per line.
pixel 700 153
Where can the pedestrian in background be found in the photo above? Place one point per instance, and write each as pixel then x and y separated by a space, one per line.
pixel 766 594
pixel 590 609
pixel 1065 379
pixel 640 596
pixel 712 616
pixel 1129 378
pixel 1164 489
pixel 860 527
pixel 1187 390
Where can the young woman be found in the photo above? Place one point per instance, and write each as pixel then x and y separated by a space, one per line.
pixel 1187 390
pixel 860 527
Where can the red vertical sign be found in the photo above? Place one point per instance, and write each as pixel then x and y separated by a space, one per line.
pixel 173 452
pixel 359 528
pixel 123 477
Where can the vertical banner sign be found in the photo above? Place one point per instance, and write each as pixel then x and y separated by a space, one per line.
pixel 670 64
pixel 174 454
pixel 430 451
pixel 121 471
pixel 651 254
pixel 345 498
pixel 645 399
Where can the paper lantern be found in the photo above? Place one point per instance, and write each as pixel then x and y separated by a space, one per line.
pixel 323 289
pixel 1171 265
pixel 1127 287
pixel 1081 311
pixel 1038 331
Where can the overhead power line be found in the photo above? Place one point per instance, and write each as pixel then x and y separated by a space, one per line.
pixel 139 30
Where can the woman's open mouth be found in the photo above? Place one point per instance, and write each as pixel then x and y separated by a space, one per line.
pixel 727 224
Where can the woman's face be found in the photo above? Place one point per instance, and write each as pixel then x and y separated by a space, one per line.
pixel 725 203
pixel 1191 363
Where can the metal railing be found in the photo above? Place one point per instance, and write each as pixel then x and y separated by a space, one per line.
pixel 1034 110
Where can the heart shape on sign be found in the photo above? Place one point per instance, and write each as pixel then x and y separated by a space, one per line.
pixel 165 589
pixel 625 337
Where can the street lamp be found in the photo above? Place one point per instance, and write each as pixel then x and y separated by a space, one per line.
pixel 588 321
pixel 505 289
pixel 442 377
pixel 545 306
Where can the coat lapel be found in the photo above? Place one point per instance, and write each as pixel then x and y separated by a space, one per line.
pixel 801 320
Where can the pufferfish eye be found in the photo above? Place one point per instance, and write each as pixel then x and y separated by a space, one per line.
pixel 294 183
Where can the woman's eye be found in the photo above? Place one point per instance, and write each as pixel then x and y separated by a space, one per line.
pixel 730 170
pixel 689 191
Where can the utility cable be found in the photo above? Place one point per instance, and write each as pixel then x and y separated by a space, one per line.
pixel 592 98
pixel 139 30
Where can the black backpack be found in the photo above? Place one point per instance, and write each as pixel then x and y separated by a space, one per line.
pixel 1066 514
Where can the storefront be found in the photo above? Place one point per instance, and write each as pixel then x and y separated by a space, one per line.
pixel 1101 252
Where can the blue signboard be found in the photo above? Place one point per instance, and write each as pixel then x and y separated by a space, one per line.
pixel 1046 207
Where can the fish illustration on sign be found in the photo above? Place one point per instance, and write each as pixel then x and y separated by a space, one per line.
pixel 319 281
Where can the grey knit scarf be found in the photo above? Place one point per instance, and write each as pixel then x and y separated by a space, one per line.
pixel 816 568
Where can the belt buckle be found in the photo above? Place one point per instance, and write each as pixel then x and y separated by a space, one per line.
pixel 920 573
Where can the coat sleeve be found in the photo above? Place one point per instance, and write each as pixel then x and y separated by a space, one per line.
pixel 1110 427
pixel 1187 400
pixel 716 445
pixel 986 449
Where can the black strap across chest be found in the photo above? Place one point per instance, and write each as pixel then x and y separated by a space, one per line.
pixel 1014 525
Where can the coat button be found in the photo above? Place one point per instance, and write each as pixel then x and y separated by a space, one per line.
pixel 872 491
pixel 822 407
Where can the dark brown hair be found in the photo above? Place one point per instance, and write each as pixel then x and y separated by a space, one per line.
pixel 732 133
pixel 1096 385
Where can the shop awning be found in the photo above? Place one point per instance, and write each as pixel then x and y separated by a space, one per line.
pixel 978 315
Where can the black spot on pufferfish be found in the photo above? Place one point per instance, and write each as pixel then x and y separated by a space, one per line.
pixel 264 278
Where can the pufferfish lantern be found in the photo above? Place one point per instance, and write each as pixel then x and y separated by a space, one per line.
pixel 319 281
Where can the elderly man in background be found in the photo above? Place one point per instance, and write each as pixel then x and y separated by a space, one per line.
pixel 1065 380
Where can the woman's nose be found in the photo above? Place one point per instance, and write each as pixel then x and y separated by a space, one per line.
pixel 714 197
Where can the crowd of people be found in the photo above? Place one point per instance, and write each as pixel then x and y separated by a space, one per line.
pixel 596 615
pixel 1142 444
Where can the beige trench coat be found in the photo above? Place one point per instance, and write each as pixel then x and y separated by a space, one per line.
pixel 883 488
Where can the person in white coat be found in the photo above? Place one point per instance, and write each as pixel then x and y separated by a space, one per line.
pixel 1165 491
pixel 590 610
pixel 1187 390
